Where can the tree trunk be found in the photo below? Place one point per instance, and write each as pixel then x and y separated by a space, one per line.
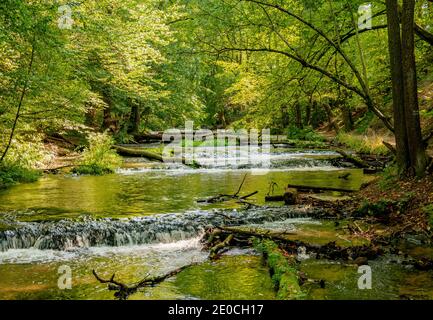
pixel 394 45
pixel 308 115
pixel 285 117
pixel 134 119
pixel 411 152
pixel 90 115
pixel 332 124
pixel 417 152
pixel 347 118
pixel 108 121
pixel 20 103
pixel 298 112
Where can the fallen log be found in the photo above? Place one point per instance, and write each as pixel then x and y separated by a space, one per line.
pixel 359 163
pixel 283 270
pixel 136 152
pixel 216 250
pixel 58 169
pixel 318 189
pixel 290 196
pixel 150 137
pixel 274 198
pixel 140 152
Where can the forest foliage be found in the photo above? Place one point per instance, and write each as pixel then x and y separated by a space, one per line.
pixel 132 66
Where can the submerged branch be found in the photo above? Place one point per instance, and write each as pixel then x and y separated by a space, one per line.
pixel 123 291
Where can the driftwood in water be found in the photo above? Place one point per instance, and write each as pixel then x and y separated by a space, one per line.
pixel 317 189
pixel 359 163
pixel 227 197
pixel 136 152
pixel 290 197
pixel 217 249
pixel 274 198
pixel 123 291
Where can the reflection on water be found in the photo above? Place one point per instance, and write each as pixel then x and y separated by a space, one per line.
pixel 120 195
pixel 233 277
pixel 144 190
pixel 390 281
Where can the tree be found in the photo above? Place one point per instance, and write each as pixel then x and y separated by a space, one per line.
pixel 411 153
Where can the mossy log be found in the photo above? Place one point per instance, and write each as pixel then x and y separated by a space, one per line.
pixel 283 270
pixel 138 152
pixel 216 250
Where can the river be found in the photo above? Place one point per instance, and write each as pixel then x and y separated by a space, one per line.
pixel 145 220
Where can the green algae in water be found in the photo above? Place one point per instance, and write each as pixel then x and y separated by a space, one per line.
pixel 390 281
pixel 231 277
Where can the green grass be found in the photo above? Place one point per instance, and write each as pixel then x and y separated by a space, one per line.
pixel 12 174
pixel 366 144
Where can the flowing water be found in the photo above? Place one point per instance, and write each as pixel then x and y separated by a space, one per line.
pixel 145 220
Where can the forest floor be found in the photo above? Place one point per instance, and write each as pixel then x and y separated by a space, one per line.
pixel 408 203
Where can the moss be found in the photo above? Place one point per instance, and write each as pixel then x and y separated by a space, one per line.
pixel 283 271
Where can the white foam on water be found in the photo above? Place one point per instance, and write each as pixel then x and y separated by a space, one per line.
pixel 26 256
pixel 186 170
pixel 32 255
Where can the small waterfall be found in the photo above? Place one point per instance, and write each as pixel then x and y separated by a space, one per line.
pixel 167 228
pixel 278 161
